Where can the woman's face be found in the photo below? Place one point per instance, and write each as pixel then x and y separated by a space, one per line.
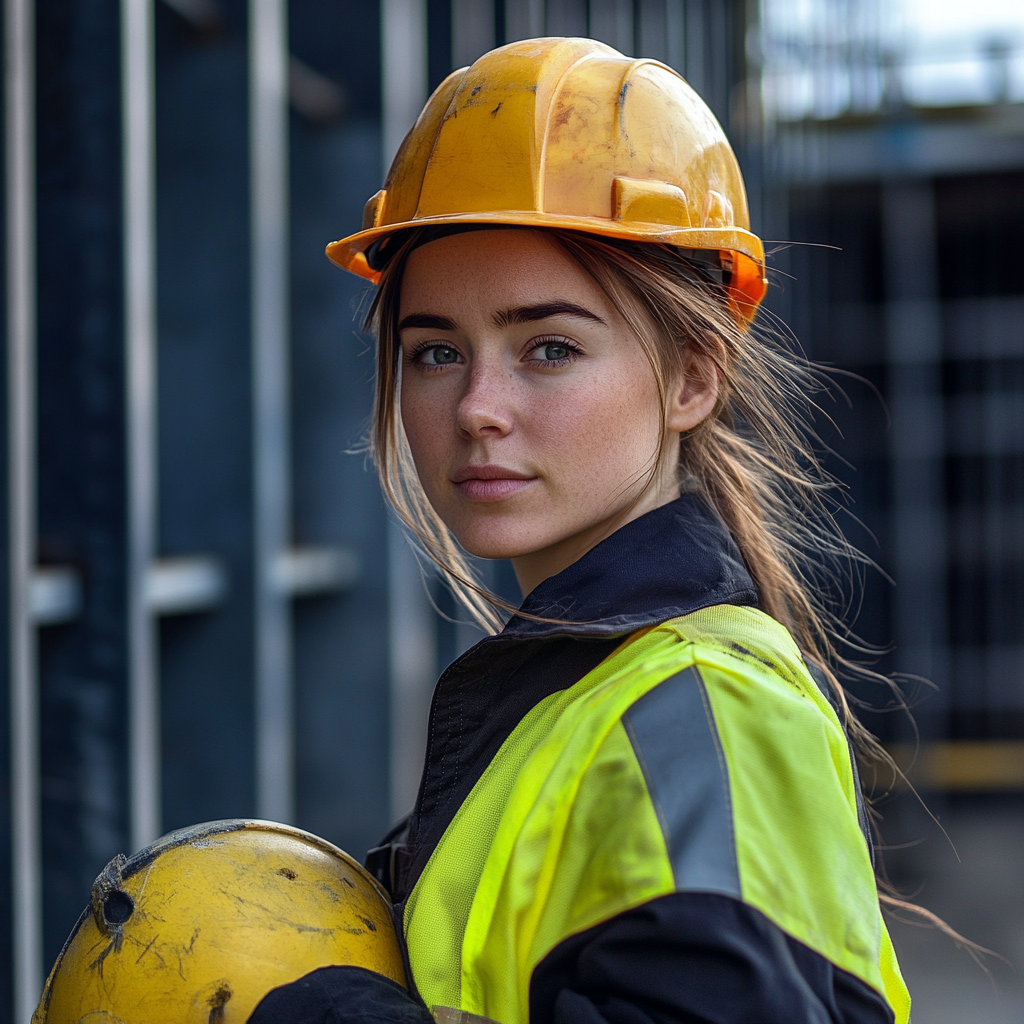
pixel 531 410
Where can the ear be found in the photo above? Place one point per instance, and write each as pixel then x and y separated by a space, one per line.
pixel 693 396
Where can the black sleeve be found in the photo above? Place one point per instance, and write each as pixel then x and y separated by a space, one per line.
pixel 695 958
pixel 340 995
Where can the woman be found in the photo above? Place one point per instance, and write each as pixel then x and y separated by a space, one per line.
pixel 638 803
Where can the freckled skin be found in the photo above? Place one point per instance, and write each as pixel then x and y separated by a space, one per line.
pixel 567 405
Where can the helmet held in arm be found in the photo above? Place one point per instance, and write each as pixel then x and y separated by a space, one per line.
pixel 201 925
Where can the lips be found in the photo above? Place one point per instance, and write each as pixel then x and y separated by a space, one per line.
pixel 490 482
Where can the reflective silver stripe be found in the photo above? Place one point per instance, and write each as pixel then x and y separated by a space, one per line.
pixel 675 740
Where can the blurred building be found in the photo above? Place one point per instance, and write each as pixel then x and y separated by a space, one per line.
pixel 894 186
pixel 209 612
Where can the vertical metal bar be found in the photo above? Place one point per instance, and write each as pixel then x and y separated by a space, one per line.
pixel 412 640
pixel 675 35
pixel 403 30
pixel 524 19
pixel 138 146
pixel 21 390
pixel 268 155
pixel 472 31
pixel 567 18
pixel 611 21
pixel 413 661
pixel 694 45
pixel 651 28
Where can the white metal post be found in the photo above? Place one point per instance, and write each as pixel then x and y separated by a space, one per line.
pixel 138 147
pixel 411 626
pixel 19 102
pixel 268 155
pixel 403 29
pixel 472 30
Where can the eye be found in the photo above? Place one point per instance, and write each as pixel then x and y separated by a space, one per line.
pixel 435 355
pixel 553 351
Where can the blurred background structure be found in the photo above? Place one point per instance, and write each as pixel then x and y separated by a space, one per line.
pixel 210 613
pixel 894 132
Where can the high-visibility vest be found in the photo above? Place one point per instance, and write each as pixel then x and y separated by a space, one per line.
pixel 700 756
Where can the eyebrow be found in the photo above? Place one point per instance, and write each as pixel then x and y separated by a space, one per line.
pixel 505 317
pixel 432 321
pixel 543 310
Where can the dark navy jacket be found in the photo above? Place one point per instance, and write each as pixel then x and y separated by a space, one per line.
pixel 685 958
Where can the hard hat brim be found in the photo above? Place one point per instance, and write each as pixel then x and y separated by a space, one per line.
pixel 350 253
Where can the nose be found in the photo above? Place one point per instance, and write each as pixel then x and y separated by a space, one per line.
pixel 485 408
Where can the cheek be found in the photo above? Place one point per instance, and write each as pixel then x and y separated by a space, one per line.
pixel 424 420
pixel 601 432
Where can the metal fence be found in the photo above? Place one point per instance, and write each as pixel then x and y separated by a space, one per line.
pixel 210 613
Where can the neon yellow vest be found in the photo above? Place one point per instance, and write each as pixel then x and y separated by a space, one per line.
pixel 583 813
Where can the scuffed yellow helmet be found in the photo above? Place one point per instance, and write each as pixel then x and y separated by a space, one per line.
pixel 568 133
pixel 201 925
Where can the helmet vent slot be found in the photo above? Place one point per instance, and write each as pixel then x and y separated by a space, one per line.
pixel 118 906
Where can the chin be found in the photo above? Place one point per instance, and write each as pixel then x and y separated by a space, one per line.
pixel 494 550
pixel 495 542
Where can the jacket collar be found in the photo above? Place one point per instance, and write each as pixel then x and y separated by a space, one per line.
pixel 669 562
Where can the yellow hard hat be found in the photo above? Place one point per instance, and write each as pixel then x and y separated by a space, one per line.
pixel 201 925
pixel 568 133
